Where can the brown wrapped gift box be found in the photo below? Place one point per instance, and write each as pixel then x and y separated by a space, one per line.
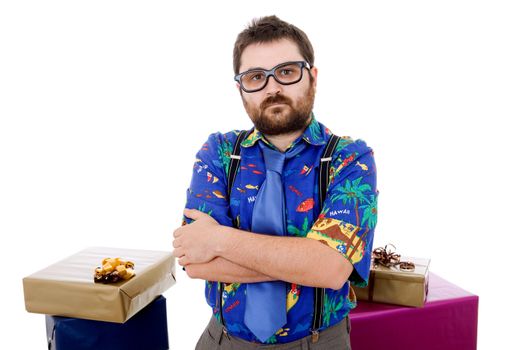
pixel 392 285
pixel 67 287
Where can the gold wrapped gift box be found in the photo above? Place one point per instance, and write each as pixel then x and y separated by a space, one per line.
pixel 67 288
pixel 392 285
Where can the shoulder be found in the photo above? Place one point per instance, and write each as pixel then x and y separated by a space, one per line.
pixel 347 147
pixel 220 139
pixel 352 159
pixel 217 149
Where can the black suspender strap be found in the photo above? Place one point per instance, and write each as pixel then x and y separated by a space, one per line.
pixel 324 172
pixel 324 169
pixel 235 161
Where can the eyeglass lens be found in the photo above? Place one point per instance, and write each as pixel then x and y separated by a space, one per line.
pixel 288 74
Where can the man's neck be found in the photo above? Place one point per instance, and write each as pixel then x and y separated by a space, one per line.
pixel 284 140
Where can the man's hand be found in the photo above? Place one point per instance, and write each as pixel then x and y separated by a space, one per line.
pixel 194 243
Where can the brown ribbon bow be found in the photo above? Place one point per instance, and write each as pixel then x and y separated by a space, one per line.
pixel 388 258
pixel 385 257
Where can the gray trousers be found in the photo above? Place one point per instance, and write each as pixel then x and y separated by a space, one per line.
pixel 336 337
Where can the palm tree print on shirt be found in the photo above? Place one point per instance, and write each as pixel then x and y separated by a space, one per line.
pixel 296 231
pixel 331 308
pixel 352 192
pixel 370 212
pixel 225 149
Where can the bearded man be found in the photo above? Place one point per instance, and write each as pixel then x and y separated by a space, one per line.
pixel 279 219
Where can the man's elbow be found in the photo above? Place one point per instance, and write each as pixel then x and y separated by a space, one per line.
pixel 338 283
pixel 334 271
pixel 340 274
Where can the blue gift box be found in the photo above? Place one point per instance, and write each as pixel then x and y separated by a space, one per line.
pixel 148 329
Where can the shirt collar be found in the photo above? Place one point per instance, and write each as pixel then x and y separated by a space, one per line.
pixel 314 134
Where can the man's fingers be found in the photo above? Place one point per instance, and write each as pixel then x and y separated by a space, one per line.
pixel 183 261
pixel 178 232
pixel 177 242
pixel 178 252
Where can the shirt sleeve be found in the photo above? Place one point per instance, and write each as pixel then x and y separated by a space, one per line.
pixel 349 213
pixel 208 188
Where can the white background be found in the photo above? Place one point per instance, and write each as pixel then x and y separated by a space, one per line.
pixel 104 104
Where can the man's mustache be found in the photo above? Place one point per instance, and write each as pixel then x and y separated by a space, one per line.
pixel 273 99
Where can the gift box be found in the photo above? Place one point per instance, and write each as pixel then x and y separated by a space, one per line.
pixel 67 288
pixel 395 280
pixel 148 329
pixel 448 320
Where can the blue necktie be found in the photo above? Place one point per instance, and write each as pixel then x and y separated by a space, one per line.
pixel 266 301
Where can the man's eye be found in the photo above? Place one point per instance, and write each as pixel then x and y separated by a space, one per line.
pixel 256 77
pixel 286 71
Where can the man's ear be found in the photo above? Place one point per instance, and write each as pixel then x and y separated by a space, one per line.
pixel 238 87
pixel 313 71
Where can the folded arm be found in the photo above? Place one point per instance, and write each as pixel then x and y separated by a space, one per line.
pixel 220 269
pixel 293 259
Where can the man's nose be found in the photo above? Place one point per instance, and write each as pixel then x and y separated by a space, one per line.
pixel 273 87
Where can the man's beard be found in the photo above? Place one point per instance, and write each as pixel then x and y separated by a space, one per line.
pixel 279 120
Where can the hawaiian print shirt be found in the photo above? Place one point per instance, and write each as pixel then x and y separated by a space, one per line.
pixel 344 222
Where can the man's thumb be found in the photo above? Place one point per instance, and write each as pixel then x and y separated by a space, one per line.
pixel 193 213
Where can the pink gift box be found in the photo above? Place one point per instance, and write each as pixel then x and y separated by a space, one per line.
pixel 448 320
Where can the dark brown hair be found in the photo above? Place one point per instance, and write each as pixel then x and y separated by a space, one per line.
pixel 267 29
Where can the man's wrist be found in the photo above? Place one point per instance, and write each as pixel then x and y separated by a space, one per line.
pixel 221 240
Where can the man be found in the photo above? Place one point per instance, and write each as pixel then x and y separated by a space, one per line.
pixel 270 243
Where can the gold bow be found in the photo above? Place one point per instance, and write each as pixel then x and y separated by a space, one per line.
pixel 114 270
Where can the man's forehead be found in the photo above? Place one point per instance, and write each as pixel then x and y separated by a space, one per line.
pixel 268 55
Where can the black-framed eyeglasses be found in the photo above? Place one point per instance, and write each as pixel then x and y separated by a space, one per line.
pixel 286 73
